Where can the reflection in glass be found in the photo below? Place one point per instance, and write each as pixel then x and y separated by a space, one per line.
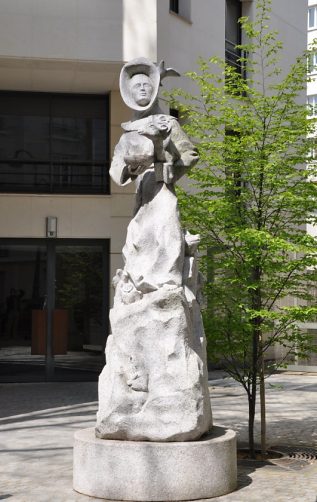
pixel 79 314
pixel 53 143
pixel 79 290
pixel 22 292
pixel 80 309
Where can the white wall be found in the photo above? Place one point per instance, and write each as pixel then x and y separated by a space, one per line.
pixel 139 29
pixel 60 45
pixel 289 18
pixel 62 29
pixel 72 45
pixel 180 42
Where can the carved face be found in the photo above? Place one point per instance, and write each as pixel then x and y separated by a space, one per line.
pixel 141 89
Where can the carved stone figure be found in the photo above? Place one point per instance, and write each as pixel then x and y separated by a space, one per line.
pixel 154 386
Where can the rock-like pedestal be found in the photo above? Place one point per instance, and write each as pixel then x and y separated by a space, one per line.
pixel 155 471
pixel 154 386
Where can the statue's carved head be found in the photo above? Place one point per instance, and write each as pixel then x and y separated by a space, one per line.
pixel 141 89
pixel 139 84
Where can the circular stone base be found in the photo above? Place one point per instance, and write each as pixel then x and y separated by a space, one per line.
pixel 152 471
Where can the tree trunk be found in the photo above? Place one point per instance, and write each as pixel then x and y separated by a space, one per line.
pixel 252 401
pixel 256 337
pixel 262 402
pixel 252 394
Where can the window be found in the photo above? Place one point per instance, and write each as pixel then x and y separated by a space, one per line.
pixel 312 62
pixel 312 17
pixel 181 7
pixel 312 154
pixel 174 6
pixel 312 104
pixel 233 32
pixel 53 143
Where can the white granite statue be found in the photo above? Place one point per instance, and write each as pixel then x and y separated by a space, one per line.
pixel 154 386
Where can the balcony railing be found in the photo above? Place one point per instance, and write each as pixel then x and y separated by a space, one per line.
pixel 36 176
pixel 232 55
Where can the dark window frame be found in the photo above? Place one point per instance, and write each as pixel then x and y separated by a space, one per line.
pixel 174 6
pixel 181 9
pixel 232 53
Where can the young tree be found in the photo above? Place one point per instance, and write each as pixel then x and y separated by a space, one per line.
pixel 254 194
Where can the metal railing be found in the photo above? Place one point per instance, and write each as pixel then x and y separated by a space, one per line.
pixel 37 176
pixel 232 56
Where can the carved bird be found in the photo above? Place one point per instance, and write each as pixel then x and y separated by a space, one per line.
pixel 166 72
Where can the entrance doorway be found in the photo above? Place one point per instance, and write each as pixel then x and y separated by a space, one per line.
pixel 53 309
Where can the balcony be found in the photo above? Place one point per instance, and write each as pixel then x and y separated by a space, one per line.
pixel 37 176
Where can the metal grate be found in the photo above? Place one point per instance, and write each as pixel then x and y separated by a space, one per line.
pixel 294 457
pixel 298 452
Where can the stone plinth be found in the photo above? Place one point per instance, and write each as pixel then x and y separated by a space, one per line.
pixel 154 471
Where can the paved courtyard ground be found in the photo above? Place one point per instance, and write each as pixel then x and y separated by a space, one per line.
pixel 37 423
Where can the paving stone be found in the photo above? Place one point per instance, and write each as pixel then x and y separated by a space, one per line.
pixel 38 421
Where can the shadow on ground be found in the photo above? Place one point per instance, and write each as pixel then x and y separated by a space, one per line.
pixel 23 398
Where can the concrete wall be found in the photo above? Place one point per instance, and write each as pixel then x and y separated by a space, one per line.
pixel 181 41
pixel 139 29
pixel 289 18
pixel 62 29
pixel 72 45
pixel 60 45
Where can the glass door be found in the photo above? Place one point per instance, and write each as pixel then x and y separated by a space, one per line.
pixel 22 295
pixel 79 317
pixel 53 309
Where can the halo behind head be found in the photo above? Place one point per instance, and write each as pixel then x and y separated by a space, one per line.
pixel 134 67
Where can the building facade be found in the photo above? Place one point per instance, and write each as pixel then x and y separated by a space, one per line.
pixel 311 328
pixel 62 221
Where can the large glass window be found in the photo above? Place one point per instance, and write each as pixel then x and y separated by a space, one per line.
pixel 312 62
pixel 53 143
pixel 312 104
pixel 312 17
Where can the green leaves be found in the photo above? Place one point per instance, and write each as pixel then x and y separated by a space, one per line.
pixel 251 199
